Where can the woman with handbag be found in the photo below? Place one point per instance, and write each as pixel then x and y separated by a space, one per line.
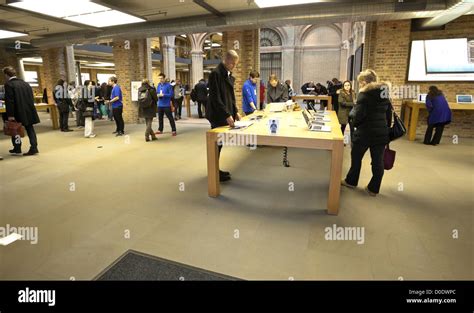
pixel 439 115
pixel 371 118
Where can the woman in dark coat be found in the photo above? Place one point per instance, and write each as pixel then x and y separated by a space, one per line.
pixel 371 118
pixel 277 92
pixel 147 107
pixel 439 115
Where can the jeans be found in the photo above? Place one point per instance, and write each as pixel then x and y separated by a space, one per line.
pixel 161 112
pixel 30 130
pixel 357 153
pixel 178 104
pixel 439 128
pixel 79 118
pixel 149 131
pixel 119 119
pixel 199 104
pixel 63 120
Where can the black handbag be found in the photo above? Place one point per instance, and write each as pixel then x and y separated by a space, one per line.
pixel 398 129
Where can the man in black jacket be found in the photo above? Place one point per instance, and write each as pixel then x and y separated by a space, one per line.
pixel 222 109
pixel 20 107
pixel 201 95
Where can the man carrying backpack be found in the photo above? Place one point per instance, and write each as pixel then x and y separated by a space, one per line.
pixel 147 99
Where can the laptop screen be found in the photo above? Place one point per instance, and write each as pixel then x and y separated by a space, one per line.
pixel 464 98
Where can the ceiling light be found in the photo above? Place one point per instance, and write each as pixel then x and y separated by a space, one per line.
pixel 184 36
pixel 33 60
pixel 9 34
pixel 215 45
pixel 80 11
pixel 104 64
pixel 280 3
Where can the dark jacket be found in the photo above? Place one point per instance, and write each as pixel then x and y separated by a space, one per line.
pixel 372 115
pixel 19 102
pixel 346 103
pixel 201 91
pixel 439 111
pixel 60 96
pixel 221 97
pixel 151 111
pixel 278 93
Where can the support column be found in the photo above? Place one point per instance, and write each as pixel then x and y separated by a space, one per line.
pixel 197 67
pixel 20 73
pixel 169 56
pixel 70 64
pixel 344 51
pixel 148 60
pixel 130 65
pixel 54 67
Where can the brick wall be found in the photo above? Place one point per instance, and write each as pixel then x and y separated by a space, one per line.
pixel 387 49
pixel 7 58
pixel 54 68
pixel 249 52
pixel 129 66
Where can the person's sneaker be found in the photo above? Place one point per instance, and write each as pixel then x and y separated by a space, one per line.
pixel 223 178
pixel 92 136
pixel 15 152
pixel 344 183
pixel 158 133
pixel 224 173
pixel 31 152
pixel 147 139
pixel 372 194
pixel 174 134
pixel 119 134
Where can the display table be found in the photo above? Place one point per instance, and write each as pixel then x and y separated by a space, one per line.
pixel 293 132
pixel 53 112
pixel 412 111
pixel 312 97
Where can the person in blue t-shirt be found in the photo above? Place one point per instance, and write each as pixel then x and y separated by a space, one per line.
pixel 117 106
pixel 164 90
pixel 249 93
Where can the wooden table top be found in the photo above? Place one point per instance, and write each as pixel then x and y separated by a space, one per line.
pixel 452 105
pixel 291 125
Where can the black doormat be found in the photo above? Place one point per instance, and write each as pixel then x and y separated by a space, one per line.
pixel 134 265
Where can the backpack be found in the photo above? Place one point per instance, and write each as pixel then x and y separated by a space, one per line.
pixel 194 95
pixel 144 98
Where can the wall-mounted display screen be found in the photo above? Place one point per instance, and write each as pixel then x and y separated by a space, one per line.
pixel 441 60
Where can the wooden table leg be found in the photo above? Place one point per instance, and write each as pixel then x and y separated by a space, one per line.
pixel 213 184
pixel 413 123
pixel 330 103
pixel 406 116
pixel 188 105
pixel 53 112
pixel 335 178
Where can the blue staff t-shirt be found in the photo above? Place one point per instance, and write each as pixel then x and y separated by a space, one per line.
pixel 116 92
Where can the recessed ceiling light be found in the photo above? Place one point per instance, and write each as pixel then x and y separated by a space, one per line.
pixel 9 34
pixel 280 3
pixel 80 11
pixel 33 60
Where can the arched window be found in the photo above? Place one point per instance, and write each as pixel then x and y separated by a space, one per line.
pixel 269 38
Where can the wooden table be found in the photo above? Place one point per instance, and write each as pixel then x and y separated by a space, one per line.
pixel 187 103
pixel 293 132
pixel 412 112
pixel 313 97
pixel 53 112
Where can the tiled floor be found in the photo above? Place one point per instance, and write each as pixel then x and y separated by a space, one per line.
pixel 127 196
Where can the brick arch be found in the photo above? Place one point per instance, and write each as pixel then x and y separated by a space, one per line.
pixel 280 32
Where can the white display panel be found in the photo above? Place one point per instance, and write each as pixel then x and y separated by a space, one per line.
pixel 31 77
pixel 417 67
pixel 103 78
pixel 448 56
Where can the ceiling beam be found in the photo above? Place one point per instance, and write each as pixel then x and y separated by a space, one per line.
pixel 454 9
pixel 208 7
pixel 8 8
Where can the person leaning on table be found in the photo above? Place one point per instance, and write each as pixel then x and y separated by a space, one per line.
pixel 222 109
pixel 371 118
pixel 439 115
pixel 277 92
pixel 249 93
